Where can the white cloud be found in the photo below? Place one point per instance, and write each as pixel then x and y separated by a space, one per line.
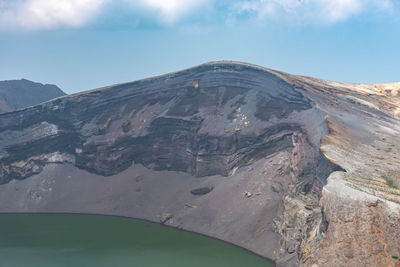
pixel 309 11
pixel 50 14
pixel 338 10
pixel 47 14
pixel 171 11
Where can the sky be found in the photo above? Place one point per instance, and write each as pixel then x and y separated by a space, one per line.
pixel 85 44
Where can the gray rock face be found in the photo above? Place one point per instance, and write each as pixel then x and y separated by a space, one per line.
pixel 204 121
pixel 18 94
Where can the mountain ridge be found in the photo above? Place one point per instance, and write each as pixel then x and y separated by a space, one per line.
pixel 20 94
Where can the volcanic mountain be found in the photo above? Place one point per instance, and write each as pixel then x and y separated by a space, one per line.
pixel 18 94
pixel 300 170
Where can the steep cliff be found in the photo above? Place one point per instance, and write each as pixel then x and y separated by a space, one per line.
pixel 277 163
pixel 361 206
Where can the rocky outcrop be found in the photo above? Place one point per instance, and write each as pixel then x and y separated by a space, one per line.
pixel 360 207
pixel 302 223
pixel 293 168
pixel 362 231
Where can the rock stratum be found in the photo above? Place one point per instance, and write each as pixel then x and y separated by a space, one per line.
pixel 296 169
pixel 18 94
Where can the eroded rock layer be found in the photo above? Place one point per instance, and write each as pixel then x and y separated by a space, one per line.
pixel 205 121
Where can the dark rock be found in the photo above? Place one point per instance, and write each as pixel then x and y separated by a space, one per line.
pixel 166 217
pixel 202 190
pixel 291 247
pixel 373 204
pixel 248 194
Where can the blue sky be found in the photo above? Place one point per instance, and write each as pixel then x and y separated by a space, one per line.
pixel 85 44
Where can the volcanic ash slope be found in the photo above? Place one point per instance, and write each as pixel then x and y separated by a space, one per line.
pixel 300 170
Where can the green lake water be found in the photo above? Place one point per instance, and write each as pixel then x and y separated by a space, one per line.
pixel 58 240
